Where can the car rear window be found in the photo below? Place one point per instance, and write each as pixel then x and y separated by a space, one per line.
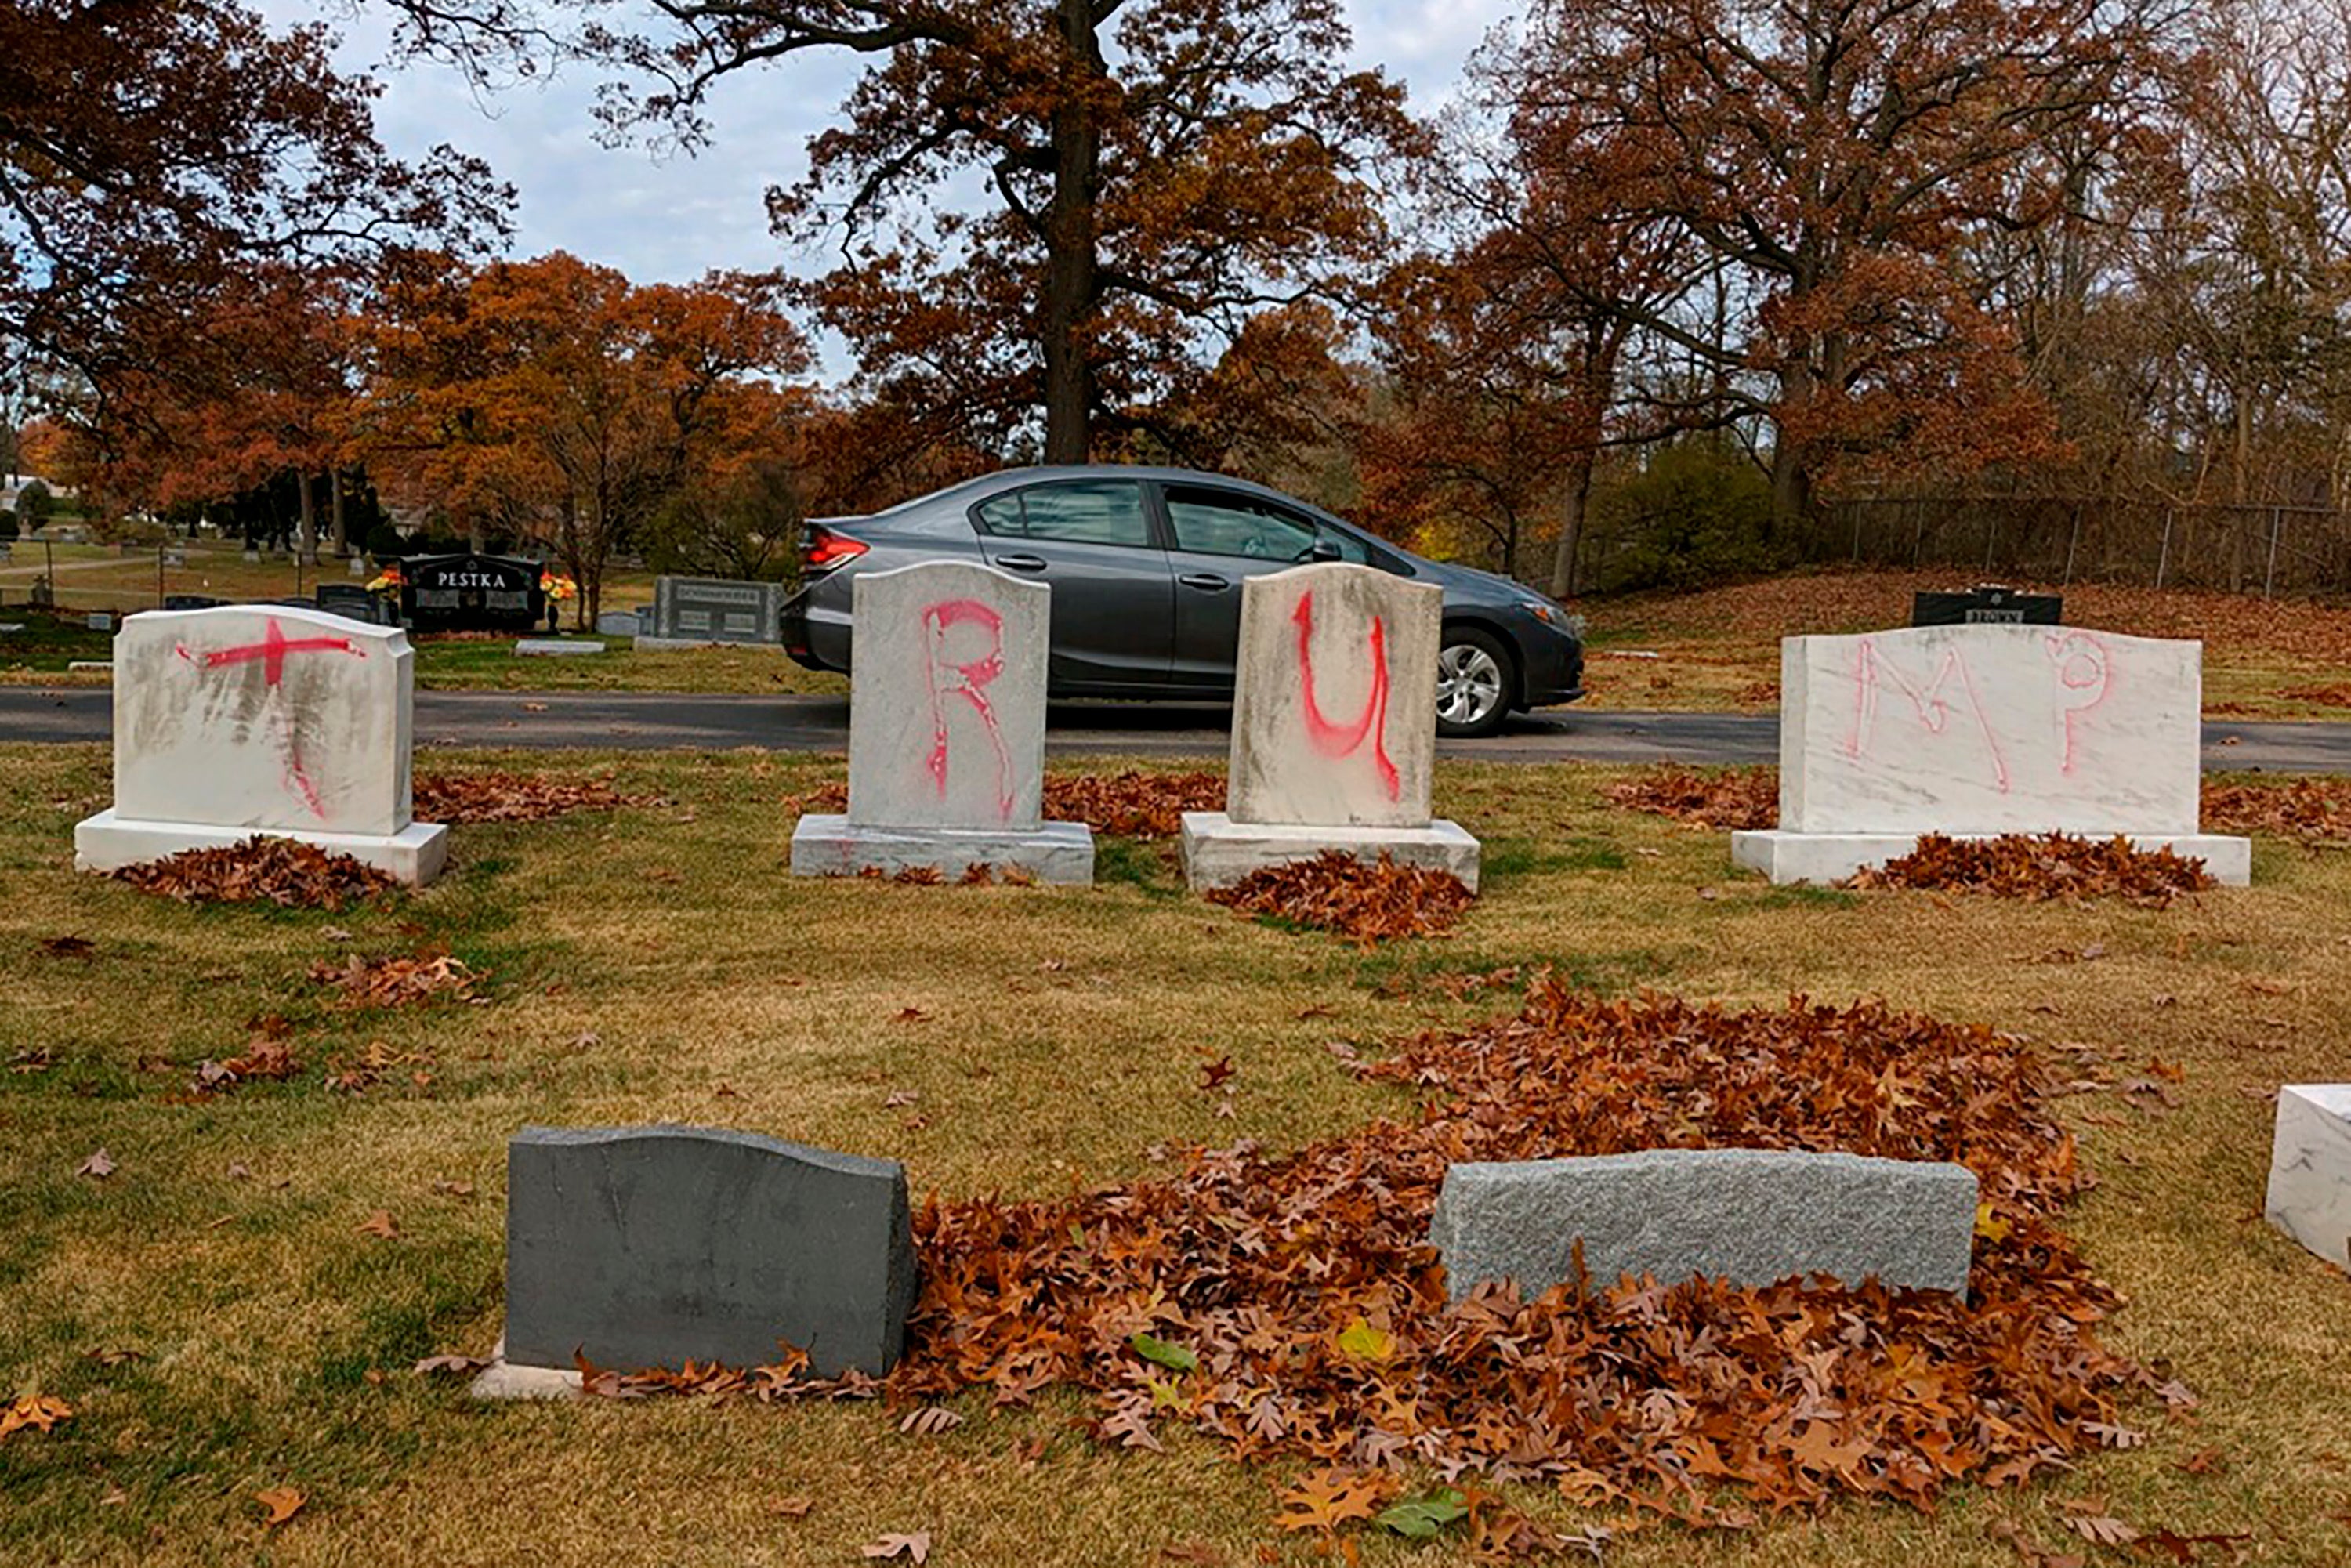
pixel 1081 511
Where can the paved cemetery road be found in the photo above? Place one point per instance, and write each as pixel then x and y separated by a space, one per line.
pixel 655 721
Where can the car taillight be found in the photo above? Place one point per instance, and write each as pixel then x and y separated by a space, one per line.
pixel 824 549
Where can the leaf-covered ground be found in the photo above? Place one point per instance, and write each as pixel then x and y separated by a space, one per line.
pixel 232 1311
pixel 2039 865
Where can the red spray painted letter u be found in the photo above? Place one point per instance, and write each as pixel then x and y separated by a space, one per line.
pixel 1344 740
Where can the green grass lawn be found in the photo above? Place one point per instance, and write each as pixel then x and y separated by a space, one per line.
pixel 655 964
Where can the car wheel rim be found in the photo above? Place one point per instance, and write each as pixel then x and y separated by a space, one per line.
pixel 1468 684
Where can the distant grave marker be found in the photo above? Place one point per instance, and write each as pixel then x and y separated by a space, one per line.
pixel 689 612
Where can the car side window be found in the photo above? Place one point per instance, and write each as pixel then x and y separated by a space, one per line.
pixel 1349 546
pixel 1083 511
pixel 1223 522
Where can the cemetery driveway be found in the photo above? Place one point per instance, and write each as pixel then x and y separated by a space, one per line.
pixel 637 721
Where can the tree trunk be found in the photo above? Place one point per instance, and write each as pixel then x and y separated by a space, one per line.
pixel 1070 260
pixel 337 525
pixel 306 539
pixel 1571 523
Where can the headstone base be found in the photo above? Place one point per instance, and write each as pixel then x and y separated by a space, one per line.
pixel 1751 1216
pixel 554 648
pixel 644 644
pixel 2310 1169
pixel 1833 857
pixel 837 847
pixel 1057 852
pixel 1220 852
pixel 108 843
pixel 503 1379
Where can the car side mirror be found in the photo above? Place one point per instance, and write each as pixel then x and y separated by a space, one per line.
pixel 1324 549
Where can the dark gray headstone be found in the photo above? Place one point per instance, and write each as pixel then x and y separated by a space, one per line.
pixel 1752 1216
pixel 653 1246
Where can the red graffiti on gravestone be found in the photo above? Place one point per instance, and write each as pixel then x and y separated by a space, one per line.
pixel 1932 708
pixel 2084 665
pixel 1343 739
pixel 272 650
pixel 968 679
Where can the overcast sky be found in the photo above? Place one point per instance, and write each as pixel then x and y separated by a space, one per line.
pixel 674 219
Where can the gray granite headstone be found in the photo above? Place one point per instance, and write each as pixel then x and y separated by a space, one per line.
pixel 652 1246
pixel 1751 1216
pixel 718 610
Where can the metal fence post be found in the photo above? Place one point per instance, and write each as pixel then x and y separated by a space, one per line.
pixel 1991 532
pixel 2072 544
pixel 2163 558
pixel 2269 579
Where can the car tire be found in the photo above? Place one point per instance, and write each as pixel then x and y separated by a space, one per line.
pixel 1477 682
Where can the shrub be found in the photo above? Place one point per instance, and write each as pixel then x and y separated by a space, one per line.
pixel 384 542
pixel 35 505
pixel 8 524
pixel 1696 513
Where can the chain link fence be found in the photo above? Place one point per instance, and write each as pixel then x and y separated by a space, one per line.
pixel 2264 549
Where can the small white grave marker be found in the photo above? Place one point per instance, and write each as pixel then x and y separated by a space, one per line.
pixel 2310 1169
pixel 267 719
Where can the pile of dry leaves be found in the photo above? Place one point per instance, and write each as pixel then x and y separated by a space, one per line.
pixel 459 798
pixel 1364 902
pixel 1289 1304
pixel 2314 810
pixel 280 871
pixel 1130 805
pixel 2044 865
pixel 1722 798
pixel 397 981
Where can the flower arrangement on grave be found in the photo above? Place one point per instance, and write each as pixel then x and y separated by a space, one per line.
pixel 557 587
pixel 388 580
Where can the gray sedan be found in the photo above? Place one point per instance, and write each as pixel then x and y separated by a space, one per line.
pixel 1147 566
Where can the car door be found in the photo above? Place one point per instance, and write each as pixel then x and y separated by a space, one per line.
pixel 1218 538
pixel 1091 541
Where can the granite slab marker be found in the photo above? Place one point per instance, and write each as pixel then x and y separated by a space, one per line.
pixel 2310 1169
pixel 1978 730
pixel 946 732
pixel 652 1246
pixel 1334 728
pixel 245 719
pixel 697 612
pixel 1752 1216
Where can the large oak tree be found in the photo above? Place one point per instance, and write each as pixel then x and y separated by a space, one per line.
pixel 1158 173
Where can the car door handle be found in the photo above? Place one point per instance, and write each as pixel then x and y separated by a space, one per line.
pixel 1022 562
pixel 1208 580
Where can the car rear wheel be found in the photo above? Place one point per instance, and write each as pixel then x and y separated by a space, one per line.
pixel 1474 683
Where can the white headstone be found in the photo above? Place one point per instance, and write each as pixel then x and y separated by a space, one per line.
pixel 947 713
pixel 1334 729
pixel 1334 709
pixel 265 718
pixel 2310 1169
pixel 946 733
pixel 1977 730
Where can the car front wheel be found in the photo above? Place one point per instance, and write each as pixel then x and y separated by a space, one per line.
pixel 1473 683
